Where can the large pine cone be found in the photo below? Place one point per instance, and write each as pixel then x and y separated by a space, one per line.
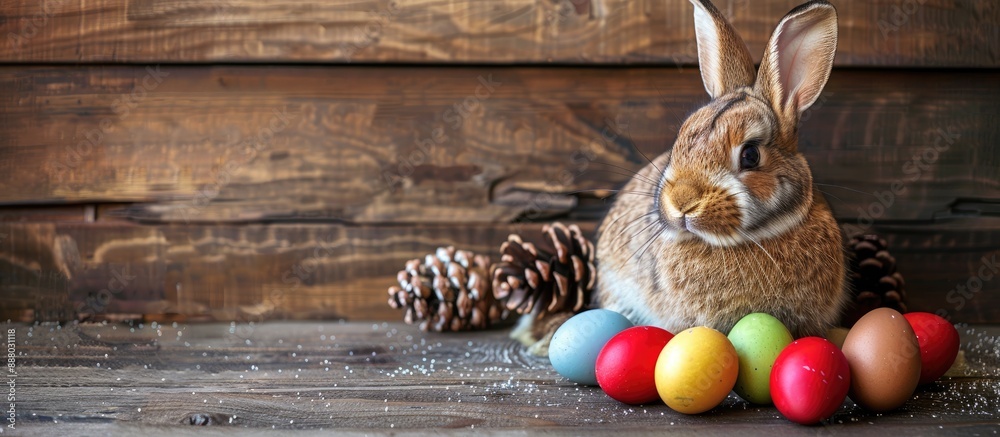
pixel 873 279
pixel 448 291
pixel 556 277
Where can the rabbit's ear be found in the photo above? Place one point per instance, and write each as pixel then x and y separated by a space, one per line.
pixel 723 57
pixel 798 58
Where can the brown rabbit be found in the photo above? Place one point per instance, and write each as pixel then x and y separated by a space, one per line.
pixel 733 224
pixel 728 223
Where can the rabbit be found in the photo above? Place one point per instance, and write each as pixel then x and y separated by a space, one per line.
pixel 727 222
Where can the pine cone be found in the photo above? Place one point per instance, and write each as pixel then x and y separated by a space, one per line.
pixel 873 278
pixel 449 291
pixel 558 277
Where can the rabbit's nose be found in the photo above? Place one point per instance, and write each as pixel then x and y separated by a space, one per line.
pixel 685 198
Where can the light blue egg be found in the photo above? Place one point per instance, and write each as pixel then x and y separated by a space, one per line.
pixel 576 344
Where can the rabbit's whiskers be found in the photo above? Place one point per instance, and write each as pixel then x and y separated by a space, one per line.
pixel 763 278
pixel 628 133
pixel 747 236
pixel 732 195
pixel 612 223
pixel 632 223
pixel 844 188
pixel 830 195
pixel 641 193
pixel 637 177
pixel 646 246
pixel 630 172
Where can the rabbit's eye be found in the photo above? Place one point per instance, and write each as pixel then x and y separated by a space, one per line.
pixel 750 156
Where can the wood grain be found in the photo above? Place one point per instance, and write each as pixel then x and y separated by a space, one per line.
pixel 378 378
pixel 56 271
pixel 872 33
pixel 218 272
pixel 374 145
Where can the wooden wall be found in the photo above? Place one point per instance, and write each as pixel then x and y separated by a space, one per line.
pixel 247 159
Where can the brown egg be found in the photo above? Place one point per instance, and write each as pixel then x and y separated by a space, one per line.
pixel 884 356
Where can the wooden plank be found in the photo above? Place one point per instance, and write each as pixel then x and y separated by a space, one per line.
pixel 379 378
pixel 71 213
pixel 374 145
pixel 218 272
pixel 874 33
pixel 944 264
pixel 302 271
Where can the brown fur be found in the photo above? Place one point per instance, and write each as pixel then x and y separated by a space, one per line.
pixel 697 240
pixel 690 257
pixel 700 284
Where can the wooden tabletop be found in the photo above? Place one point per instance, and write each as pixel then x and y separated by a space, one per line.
pixel 365 377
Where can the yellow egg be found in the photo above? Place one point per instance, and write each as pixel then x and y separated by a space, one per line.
pixel 696 370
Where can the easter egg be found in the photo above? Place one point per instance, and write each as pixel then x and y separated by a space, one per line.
pixel 696 370
pixel 938 341
pixel 575 345
pixel 626 363
pixel 884 356
pixel 810 380
pixel 837 336
pixel 758 339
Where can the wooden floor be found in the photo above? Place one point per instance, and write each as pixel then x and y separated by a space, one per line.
pixel 312 377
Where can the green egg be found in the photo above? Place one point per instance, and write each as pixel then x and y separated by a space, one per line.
pixel 758 339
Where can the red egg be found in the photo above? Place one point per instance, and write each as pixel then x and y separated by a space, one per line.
pixel 938 340
pixel 810 380
pixel 625 366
